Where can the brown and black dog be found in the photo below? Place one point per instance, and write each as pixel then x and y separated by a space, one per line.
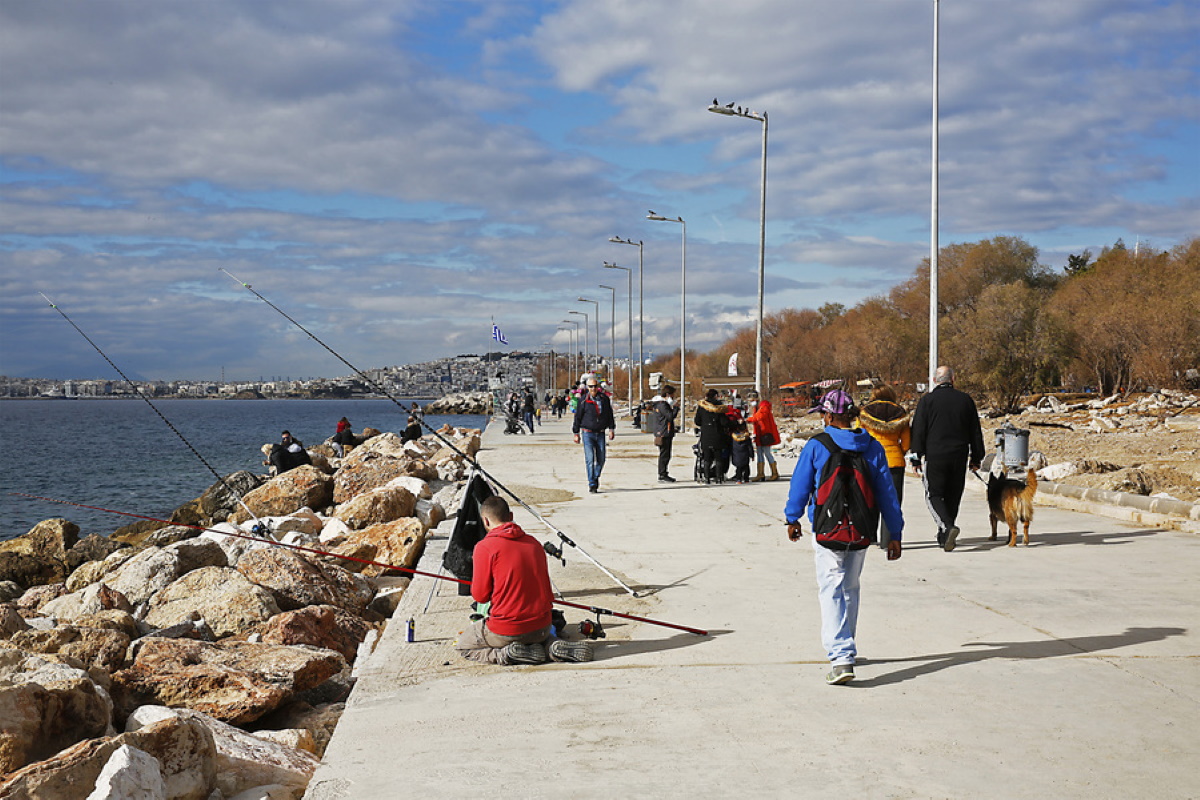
pixel 1012 501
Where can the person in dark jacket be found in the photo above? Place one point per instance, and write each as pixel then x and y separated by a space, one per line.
pixel 343 438
pixel 946 439
pixel 666 413
pixel 594 416
pixel 288 454
pixel 740 453
pixel 712 418
pixel 528 408
pixel 412 431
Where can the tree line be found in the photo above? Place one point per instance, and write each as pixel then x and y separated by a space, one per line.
pixel 1010 326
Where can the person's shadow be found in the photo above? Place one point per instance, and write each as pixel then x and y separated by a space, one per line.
pixel 1053 648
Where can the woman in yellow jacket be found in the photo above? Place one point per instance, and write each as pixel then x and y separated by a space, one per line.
pixel 888 423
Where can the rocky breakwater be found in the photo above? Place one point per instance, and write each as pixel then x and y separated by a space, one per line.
pixel 462 403
pixel 172 662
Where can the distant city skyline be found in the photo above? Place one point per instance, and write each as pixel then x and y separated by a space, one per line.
pixel 400 175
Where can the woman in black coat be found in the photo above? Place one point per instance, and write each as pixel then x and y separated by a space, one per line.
pixel 713 421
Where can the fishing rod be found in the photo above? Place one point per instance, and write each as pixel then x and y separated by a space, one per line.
pixel 154 408
pixel 420 418
pixel 592 609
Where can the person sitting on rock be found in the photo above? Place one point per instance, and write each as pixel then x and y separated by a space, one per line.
pixel 412 432
pixel 343 437
pixel 509 571
pixel 288 454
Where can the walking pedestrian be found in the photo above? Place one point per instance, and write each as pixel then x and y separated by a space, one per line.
pixel 665 426
pixel 593 417
pixel 889 424
pixel 946 439
pixel 838 570
pixel 766 434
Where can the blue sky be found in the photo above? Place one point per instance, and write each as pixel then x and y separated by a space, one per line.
pixel 396 174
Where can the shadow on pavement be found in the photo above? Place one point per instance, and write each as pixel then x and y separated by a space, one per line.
pixel 612 650
pixel 971 544
pixel 1051 648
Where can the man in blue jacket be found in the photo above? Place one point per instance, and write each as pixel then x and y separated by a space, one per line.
pixel 594 417
pixel 838 571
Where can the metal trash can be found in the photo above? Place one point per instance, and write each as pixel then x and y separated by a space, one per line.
pixel 1012 449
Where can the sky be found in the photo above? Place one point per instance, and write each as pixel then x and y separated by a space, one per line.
pixel 397 175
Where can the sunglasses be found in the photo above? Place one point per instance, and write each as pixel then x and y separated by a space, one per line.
pixel 593 386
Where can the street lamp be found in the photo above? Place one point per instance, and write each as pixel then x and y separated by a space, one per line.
pixel 587 344
pixel 629 372
pixel 682 314
pixel 729 111
pixel 574 350
pixel 641 310
pixel 596 341
pixel 612 334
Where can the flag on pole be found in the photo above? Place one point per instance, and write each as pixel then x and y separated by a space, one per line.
pixel 732 371
pixel 497 336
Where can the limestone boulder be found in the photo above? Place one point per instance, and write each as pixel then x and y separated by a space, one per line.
pixel 320 721
pixel 92 647
pixel 297 580
pixel 236 682
pixel 196 553
pixel 333 528
pixel 89 600
pixel 302 487
pixel 398 543
pixel 39 556
pixel 91 571
pixel 146 573
pixel 296 738
pixel 327 627
pixel 41 719
pixel 419 487
pixel 378 505
pixel 227 601
pixel 11 620
pixel 243 761
pixel 130 773
pixel 10 591
pixel 234 541
pixel 111 620
pixel 366 470
pixel 350 555
pixel 218 501
pixel 92 548
pixel 430 513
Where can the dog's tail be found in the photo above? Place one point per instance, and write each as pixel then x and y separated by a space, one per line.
pixel 1030 484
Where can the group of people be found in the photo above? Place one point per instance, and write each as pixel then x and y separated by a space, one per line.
pixel 290 452
pixel 731 434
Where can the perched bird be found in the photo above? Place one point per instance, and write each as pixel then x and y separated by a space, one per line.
pixel 714 101
pixel 729 105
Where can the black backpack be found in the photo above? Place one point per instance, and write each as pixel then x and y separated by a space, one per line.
pixel 846 516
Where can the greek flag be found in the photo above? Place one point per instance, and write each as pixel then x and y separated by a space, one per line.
pixel 497 336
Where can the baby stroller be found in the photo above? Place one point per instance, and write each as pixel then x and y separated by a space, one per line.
pixel 511 423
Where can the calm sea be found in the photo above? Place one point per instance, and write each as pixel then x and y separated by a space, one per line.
pixel 120 455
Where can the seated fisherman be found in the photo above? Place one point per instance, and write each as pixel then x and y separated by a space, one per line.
pixel 288 454
pixel 412 431
pixel 510 573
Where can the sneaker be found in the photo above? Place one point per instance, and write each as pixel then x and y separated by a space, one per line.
pixel 665 479
pixel 842 673
pixel 520 653
pixel 594 489
pixel 951 538
pixel 562 650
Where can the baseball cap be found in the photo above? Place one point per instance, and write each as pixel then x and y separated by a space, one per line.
pixel 834 402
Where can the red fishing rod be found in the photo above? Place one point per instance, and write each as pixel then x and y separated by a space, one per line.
pixel 593 609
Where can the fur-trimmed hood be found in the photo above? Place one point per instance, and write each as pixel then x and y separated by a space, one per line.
pixel 883 416
pixel 715 408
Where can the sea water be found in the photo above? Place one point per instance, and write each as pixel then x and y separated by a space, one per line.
pixel 119 454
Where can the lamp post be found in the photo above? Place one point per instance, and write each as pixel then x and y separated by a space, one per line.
pixel 596 341
pixel 933 218
pixel 746 113
pixel 587 344
pixel 629 372
pixel 682 314
pixel 612 334
pixel 641 310
pixel 574 349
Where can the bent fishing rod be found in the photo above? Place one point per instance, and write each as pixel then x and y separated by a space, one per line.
pixel 154 408
pixel 591 609
pixel 420 418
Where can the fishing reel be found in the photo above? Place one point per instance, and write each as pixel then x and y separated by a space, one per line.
pixel 555 552
pixel 592 630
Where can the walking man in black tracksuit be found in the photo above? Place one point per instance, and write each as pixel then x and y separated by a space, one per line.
pixel 946 438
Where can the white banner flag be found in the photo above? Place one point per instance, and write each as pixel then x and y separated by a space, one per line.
pixel 732 372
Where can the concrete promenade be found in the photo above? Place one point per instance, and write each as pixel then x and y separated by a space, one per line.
pixel 1068 669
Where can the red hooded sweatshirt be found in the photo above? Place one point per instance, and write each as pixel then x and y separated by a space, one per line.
pixel 510 571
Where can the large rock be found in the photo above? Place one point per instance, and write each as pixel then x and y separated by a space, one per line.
pixel 379 505
pixel 146 573
pixel 39 556
pixel 218 501
pixel 94 598
pixel 243 760
pixel 110 620
pixel 40 720
pixel 320 721
pixel 11 621
pixel 10 591
pixel 91 571
pixel 184 748
pixel 319 626
pixel 90 646
pixel 130 773
pixel 236 682
pixel 398 543
pixel 368 469
pixel 234 541
pixel 302 487
pixel 227 601
pixel 91 548
pixel 196 553
pixel 296 580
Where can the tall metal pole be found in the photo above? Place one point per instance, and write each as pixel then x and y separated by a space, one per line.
pixel 587 343
pixel 641 309
pixel 682 316
pixel 612 333
pixel 933 221
pixel 629 372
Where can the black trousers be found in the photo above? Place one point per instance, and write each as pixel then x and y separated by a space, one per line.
pixel 944 480
pixel 664 455
pixel 710 460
